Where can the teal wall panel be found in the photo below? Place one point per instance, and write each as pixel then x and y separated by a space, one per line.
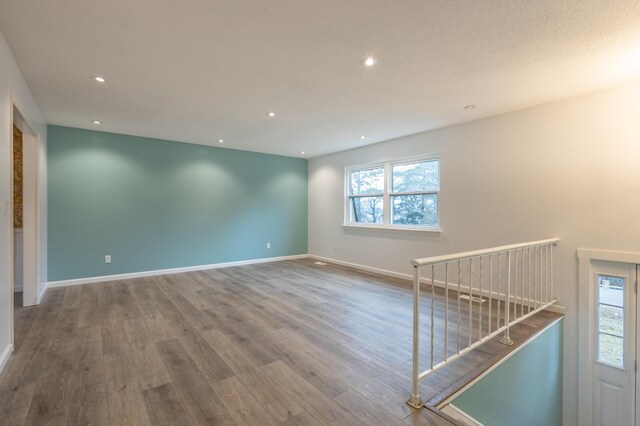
pixel 525 390
pixel 156 204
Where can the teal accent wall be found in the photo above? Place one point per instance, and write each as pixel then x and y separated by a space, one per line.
pixel 155 204
pixel 525 390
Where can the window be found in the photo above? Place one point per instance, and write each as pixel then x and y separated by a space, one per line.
pixel 610 316
pixel 399 194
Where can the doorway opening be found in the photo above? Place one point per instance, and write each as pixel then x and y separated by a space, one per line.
pixel 609 389
pixel 17 222
pixel 24 215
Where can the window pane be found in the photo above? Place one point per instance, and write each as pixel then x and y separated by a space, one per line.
pixel 415 177
pixel 366 209
pixel 611 320
pixel 611 350
pixel 611 290
pixel 365 182
pixel 415 209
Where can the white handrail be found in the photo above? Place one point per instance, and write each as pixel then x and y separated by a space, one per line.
pixel 482 252
pixel 507 301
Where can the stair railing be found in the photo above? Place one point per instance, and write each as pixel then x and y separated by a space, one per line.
pixel 514 281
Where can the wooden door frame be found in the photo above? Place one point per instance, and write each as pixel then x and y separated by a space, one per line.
pixel 586 322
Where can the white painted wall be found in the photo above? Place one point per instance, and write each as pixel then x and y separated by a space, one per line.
pixel 18 275
pixel 14 90
pixel 569 169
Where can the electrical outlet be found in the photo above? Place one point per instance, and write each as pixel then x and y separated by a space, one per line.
pixel 268 245
pixel 107 259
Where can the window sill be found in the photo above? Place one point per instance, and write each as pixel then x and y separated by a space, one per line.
pixel 418 229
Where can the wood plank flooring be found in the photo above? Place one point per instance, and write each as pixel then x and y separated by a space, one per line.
pixel 284 343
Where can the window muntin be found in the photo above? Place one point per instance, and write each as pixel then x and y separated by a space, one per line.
pixel 610 317
pixel 401 194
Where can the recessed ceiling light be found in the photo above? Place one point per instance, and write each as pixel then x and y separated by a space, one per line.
pixel 363 137
pixel 302 152
pixel 96 122
pixel 220 140
pixel 470 107
pixel 370 61
pixel 271 114
pixel 99 79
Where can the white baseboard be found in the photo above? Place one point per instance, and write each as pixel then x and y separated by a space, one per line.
pixel 42 293
pixel 5 356
pixel 364 267
pixel 558 309
pixel 464 289
pixel 105 278
pixel 459 414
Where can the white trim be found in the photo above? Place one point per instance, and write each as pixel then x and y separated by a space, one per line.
pixel 104 278
pixel 458 414
pixel 31 214
pixel 364 267
pixel 387 194
pixel 482 252
pixel 400 228
pixel 610 256
pixel 43 292
pixel 9 213
pixel 585 301
pixel 498 364
pixel 401 160
pixel 5 356
pixel 559 309
pixel 587 322
pixel 32 260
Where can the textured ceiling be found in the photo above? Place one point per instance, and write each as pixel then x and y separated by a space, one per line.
pixel 200 70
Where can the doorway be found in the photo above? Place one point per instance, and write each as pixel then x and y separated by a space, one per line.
pixel 24 210
pixel 608 342
pixel 18 246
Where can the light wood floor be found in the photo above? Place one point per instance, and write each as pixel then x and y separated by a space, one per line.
pixel 289 343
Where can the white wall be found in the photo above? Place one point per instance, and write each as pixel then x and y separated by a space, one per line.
pixel 17 259
pixel 14 90
pixel 569 169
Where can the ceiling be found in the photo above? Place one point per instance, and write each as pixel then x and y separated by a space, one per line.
pixel 202 70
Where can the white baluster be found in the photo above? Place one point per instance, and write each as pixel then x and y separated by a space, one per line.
pixel 490 288
pixel 415 401
pixel 470 297
pixel 480 302
pixel 529 282
pixel 459 284
pixel 446 309
pixel 506 339
pixel 433 297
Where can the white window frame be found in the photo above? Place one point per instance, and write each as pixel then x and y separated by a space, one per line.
pixel 386 202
